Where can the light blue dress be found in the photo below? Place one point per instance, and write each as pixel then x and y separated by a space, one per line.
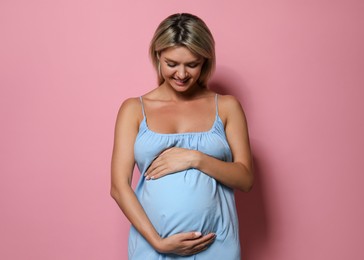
pixel 188 200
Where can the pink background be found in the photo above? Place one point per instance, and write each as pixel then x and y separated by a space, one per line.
pixel 296 66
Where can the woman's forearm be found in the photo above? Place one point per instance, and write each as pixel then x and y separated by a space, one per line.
pixel 131 207
pixel 235 175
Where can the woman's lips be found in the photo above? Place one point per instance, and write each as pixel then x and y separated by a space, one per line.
pixel 181 82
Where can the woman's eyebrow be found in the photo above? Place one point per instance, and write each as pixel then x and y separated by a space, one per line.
pixel 193 61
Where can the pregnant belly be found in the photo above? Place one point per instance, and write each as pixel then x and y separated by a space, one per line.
pixel 182 202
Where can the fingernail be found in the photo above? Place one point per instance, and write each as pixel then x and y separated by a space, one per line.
pixel 198 234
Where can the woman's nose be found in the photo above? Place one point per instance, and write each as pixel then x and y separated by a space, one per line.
pixel 181 72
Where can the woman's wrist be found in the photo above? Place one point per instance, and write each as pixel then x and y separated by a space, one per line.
pixel 157 244
pixel 196 159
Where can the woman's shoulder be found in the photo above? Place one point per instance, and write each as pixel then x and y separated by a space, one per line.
pixel 131 108
pixel 130 104
pixel 229 106
pixel 228 102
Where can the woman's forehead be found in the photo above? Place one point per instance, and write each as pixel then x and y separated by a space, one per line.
pixel 180 53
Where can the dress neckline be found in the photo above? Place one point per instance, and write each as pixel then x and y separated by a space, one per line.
pixel 212 128
pixel 216 120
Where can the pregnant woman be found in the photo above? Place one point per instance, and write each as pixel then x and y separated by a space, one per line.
pixel 191 147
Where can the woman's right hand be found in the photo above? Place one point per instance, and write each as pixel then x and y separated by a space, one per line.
pixel 185 243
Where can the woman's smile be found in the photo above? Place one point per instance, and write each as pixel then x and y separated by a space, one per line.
pixel 181 82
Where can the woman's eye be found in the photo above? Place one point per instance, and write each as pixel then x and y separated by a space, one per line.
pixel 171 65
pixel 193 65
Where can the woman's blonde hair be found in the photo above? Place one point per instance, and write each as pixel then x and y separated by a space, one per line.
pixel 189 31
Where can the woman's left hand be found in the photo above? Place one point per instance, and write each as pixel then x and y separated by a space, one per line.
pixel 172 160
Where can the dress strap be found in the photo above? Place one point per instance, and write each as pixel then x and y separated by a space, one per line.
pixel 141 102
pixel 216 104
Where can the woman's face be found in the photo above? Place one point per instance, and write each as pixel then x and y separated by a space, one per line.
pixel 180 68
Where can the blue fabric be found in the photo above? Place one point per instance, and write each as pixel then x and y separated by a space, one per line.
pixel 188 200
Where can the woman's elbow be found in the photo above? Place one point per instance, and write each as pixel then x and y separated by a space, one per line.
pixel 114 193
pixel 247 182
pixel 247 187
pixel 118 186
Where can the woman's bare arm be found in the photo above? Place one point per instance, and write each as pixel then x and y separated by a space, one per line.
pixel 122 165
pixel 239 173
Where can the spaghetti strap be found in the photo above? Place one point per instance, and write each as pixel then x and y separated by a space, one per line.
pixel 141 102
pixel 216 104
